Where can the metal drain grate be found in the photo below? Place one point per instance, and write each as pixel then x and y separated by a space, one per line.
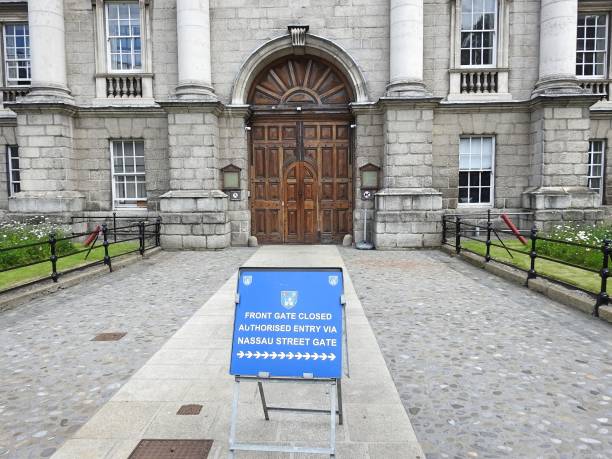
pixel 189 410
pixel 114 336
pixel 172 449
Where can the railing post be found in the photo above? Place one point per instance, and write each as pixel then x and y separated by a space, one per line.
pixel 141 237
pixel 533 254
pixel 488 242
pixel 53 257
pixel 603 297
pixel 443 229
pixel 157 231
pixel 107 258
pixel 115 226
pixel 458 235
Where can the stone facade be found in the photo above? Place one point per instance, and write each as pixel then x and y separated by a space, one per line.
pixel 412 104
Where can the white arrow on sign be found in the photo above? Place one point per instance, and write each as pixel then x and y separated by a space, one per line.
pixel 289 355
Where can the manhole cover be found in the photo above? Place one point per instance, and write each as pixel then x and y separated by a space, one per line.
pixel 189 410
pixel 114 336
pixel 172 449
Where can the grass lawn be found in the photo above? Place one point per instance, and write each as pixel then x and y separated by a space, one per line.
pixel 22 275
pixel 574 276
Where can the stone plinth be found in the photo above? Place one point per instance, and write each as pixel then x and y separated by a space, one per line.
pixel 408 218
pixel 47 202
pixel 195 220
pixel 558 205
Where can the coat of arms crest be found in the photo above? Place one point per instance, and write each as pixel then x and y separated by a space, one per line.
pixel 247 280
pixel 289 299
pixel 333 280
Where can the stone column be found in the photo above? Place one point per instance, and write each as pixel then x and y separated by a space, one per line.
pixel 406 49
pixel 48 45
pixel 194 68
pixel 558 19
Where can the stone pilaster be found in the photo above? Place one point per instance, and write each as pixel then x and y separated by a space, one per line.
pixel 194 211
pixel 49 182
pixel 558 19
pixel 233 149
pixel 558 192
pixel 406 49
pixel 193 40
pixel 47 40
pixel 408 209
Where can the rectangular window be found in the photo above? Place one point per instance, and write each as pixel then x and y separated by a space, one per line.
pixel 14 176
pixel 596 164
pixel 17 54
pixel 124 47
pixel 476 170
pixel 478 32
pixel 592 45
pixel 129 188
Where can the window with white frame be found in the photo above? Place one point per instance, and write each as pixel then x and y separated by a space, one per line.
pixel 596 164
pixel 124 39
pixel 476 157
pixel 14 175
pixel 478 33
pixel 128 162
pixel 592 45
pixel 17 54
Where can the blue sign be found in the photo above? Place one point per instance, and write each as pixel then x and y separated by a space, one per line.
pixel 288 323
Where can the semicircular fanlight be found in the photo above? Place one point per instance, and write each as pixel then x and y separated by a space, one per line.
pixel 300 81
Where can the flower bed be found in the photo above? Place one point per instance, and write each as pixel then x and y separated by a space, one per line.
pixel 580 234
pixel 14 234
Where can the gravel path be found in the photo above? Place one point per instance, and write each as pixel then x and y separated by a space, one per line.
pixel 53 378
pixel 486 368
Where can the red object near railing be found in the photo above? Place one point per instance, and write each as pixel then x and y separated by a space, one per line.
pixel 513 228
pixel 92 236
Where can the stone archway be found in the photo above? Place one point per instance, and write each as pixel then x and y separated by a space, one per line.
pixel 285 46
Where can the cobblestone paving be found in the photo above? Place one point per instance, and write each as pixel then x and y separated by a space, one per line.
pixel 486 368
pixel 53 378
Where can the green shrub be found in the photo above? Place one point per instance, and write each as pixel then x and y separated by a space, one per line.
pixel 13 234
pixel 593 235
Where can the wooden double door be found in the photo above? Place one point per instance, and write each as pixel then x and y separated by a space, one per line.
pixel 301 181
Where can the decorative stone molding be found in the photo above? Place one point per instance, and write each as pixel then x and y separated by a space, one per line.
pixel 298 37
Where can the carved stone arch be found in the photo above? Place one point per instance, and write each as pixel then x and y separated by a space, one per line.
pixel 280 47
pixel 300 80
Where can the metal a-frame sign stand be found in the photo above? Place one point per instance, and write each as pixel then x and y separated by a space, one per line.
pixel 334 384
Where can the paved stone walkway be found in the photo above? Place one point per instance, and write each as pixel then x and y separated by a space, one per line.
pixel 53 378
pixel 486 368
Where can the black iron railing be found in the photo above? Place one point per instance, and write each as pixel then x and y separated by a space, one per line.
pixel 144 235
pixel 455 228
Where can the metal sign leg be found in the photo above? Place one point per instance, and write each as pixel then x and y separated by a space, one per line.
pixel 332 425
pixel 263 400
pixel 340 413
pixel 233 418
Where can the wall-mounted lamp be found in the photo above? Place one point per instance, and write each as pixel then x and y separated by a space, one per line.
pixel 247 128
pixel 353 126
pixel 231 181
pixel 370 177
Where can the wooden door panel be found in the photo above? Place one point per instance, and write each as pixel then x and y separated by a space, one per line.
pixel 301 181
